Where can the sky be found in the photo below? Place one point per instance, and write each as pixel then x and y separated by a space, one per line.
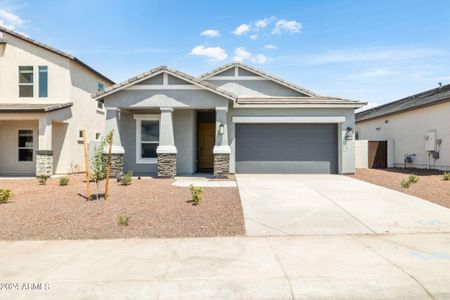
pixel 373 51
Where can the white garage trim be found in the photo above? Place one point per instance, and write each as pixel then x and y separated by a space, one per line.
pixel 288 119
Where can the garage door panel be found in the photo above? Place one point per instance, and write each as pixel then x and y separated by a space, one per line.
pixel 286 148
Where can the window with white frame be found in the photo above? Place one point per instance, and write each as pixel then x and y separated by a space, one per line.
pixel 147 138
pixel 26 82
pixel 98 135
pixel 80 135
pixel 25 144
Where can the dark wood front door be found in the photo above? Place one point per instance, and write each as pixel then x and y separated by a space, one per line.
pixel 378 154
pixel 206 141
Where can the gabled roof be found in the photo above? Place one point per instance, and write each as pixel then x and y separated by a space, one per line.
pixel 32 107
pixel 430 97
pixel 260 73
pixel 161 69
pixel 54 50
pixel 297 100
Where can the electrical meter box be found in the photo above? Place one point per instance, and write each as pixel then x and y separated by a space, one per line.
pixel 430 140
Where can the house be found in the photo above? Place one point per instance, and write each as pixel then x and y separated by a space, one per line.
pixel 234 119
pixel 413 131
pixel 45 103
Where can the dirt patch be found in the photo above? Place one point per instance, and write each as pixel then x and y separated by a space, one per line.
pixel 154 206
pixel 430 187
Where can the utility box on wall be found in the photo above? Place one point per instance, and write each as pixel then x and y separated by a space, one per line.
pixel 430 140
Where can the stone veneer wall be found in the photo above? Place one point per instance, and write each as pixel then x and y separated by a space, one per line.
pixel 44 162
pixel 221 165
pixel 116 169
pixel 167 165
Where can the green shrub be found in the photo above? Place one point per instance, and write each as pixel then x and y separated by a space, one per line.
pixel 43 179
pixel 5 194
pixel 64 181
pixel 446 176
pixel 126 179
pixel 123 220
pixel 197 194
pixel 407 182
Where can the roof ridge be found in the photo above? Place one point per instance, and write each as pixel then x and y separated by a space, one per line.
pixel 52 49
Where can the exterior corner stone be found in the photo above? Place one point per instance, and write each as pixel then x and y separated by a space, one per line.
pixel 167 165
pixel 222 165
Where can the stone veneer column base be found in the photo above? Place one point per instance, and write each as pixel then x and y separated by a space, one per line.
pixel 44 162
pixel 221 165
pixel 167 165
pixel 116 169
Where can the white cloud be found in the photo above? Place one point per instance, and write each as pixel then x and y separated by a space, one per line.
pixel 254 37
pixel 212 53
pixel 260 24
pixel 284 25
pixel 270 46
pixel 241 29
pixel 9 20
pixel 241 55
pixel 210 33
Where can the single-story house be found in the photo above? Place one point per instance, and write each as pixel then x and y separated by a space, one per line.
pixel 234 119
pixel 412 132
pixel 45 103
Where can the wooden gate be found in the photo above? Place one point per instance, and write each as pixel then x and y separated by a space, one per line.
pixel 378 154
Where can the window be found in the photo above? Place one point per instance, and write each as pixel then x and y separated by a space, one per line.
pixel 26 81
pixel 80 135
pixel 25 145
pixel 100 86
pixel 98 136
pixel 43 81
pixel 147 138
pixel 100 104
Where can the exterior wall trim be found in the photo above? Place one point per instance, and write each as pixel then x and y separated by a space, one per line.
pixel 288 119
pixel 139 118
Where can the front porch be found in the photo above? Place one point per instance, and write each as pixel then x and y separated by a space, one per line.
pixel 169 141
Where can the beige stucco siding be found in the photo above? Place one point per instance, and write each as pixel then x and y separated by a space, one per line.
pixel 407 130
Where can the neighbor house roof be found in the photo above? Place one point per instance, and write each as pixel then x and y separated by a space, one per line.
pixel 430 97
pixel 260 73
pixel 54 50
pixel 117 87
pixel 2 41
pixel 296 100
pixel 32 107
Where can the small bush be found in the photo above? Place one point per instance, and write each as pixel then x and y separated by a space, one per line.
pixel 64 181
pixel 43 179
pixel 446 176
pixel 197 194
pixel 5 195
pixel 407 182
pixel 126 179
pixel 123 220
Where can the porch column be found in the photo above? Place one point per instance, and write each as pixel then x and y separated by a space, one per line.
pixel 113 117
pixel 166 151
pixel 44 153
pixel 221 149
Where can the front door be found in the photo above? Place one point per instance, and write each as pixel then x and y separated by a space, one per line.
pixel 206 141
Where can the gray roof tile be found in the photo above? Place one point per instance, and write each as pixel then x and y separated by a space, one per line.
pixel 430 97
pixel 32 107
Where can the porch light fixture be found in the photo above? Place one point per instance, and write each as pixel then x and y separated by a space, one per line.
pixel 349 134
pixel 221 129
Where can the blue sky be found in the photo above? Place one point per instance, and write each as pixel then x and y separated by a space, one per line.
pixel 375 51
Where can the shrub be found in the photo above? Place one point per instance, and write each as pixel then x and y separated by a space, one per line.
pixel 43 179
pixel 126 179
pixel 64 181
pixel 5 194
pixel 123 220
pixel 197 194
pixel 407 182
pixel 446 176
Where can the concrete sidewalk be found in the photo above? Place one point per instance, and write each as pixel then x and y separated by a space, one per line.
pixel 412 266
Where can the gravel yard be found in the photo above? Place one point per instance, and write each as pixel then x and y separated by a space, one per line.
pixel 155 208
pixel 430 186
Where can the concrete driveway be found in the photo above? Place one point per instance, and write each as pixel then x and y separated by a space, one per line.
pixel 332 205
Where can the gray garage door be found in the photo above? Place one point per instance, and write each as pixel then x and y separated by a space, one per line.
pixel 286 148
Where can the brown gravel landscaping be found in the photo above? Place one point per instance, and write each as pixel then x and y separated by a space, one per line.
pixel 155 209
pixel 430 186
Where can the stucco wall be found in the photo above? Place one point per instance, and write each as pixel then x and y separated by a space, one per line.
pixel 9 164
pixel 67 82
pixel 346 148
pixel 255 88
pixel 361 154
pixel 407 131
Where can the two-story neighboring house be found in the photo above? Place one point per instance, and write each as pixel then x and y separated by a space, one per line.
pixel 45 103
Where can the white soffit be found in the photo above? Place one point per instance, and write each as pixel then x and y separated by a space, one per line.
pixel 332 119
